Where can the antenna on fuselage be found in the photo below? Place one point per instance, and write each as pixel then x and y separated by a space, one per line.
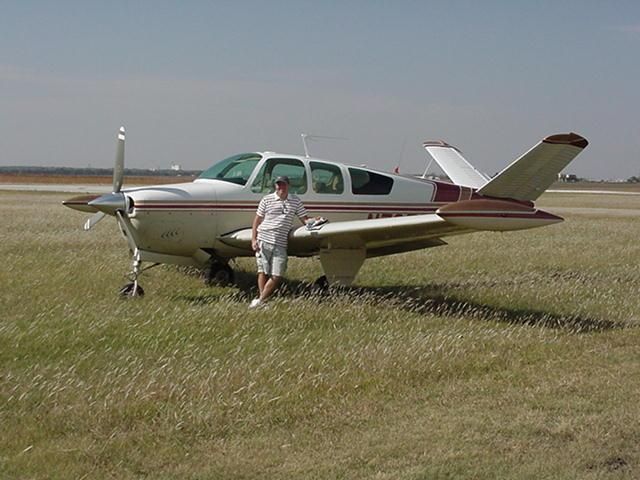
pixel 396 170
pixel 306 136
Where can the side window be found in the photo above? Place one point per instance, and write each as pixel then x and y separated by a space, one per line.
pixel 276 167
pixel 326 178
pixel 369 183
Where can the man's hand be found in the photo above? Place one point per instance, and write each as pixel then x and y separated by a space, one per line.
pixel 315 223
pixel 254 232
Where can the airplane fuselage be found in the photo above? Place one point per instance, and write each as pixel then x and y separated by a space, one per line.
pixel 371 213
pixel 179 219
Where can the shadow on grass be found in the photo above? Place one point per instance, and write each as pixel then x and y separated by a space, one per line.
pixel 428 299
pixel 432 299
pixel 243 289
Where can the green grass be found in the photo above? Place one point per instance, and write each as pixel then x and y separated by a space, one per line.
pixel 499 356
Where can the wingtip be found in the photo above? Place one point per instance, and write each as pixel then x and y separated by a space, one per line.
pixel 567 139
pixel 439 143
pixel 435 143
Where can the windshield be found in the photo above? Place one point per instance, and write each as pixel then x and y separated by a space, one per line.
pixel 236 169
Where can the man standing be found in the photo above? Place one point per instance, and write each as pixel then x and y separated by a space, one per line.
pixel 270 235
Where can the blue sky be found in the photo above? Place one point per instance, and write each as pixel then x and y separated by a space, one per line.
pixel 196 81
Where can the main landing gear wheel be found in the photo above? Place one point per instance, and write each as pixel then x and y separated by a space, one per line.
pixel 219 274
pixel 131 290
pixel 321 284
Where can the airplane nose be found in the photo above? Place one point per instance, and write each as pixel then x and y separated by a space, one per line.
pixel 109 203
pixel 81 203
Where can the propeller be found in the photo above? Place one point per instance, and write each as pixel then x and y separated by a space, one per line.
pixel 115 200
pixel 118 169
pixel 93 219
pixel 117 204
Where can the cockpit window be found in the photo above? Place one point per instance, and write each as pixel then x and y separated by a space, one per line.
pixel 275 167
pixel 236 169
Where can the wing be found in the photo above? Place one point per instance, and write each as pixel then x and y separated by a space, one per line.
pixel 381 236
pixel 456 167
pixel 530 175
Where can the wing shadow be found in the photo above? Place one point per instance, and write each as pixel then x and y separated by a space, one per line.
pixel 427 299
pixel 437 299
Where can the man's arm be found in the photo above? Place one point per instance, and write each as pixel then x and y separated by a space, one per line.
pixel 301 212
pixel 254 232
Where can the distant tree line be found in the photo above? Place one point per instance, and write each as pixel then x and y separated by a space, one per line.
pixel 146 172
pixel 138 172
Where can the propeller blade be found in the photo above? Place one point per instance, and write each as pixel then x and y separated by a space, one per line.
pixel 93 220
pixel 118 168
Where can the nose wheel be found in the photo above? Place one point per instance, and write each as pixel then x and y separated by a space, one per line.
pixel 133 288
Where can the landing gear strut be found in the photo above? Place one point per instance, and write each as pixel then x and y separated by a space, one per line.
pixel 133 289
pixel 218 273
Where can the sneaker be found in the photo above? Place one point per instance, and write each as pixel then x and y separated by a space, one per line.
pixel 255 303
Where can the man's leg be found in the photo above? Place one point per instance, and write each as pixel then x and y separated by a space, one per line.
pixel 278 269
pixel 269 287
pixel 262 280
pixel 263 259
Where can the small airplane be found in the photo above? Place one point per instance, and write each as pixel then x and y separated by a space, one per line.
pixel 207 222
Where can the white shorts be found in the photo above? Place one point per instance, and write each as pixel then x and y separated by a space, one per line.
pixel 271 259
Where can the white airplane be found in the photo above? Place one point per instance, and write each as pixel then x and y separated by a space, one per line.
pixel 207 222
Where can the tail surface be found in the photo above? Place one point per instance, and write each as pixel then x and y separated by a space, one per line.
pixel 456 167
pixel 525 179
pixel 530 175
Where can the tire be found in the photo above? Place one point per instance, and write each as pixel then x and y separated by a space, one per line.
pixel 218 274
pixel 128 291
pixel 321 284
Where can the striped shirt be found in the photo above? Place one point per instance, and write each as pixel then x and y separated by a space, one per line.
pixel 278 218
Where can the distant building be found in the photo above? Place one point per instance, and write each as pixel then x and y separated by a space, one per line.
pixel 176 167
pixel 567 177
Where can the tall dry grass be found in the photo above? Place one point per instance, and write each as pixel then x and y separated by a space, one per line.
pixel 509 356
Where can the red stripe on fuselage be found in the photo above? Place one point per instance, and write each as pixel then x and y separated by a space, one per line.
pixel 357 207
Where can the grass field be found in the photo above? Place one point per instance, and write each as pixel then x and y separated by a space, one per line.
pixel 499 356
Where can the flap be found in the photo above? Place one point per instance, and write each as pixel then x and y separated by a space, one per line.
pixel 372 234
